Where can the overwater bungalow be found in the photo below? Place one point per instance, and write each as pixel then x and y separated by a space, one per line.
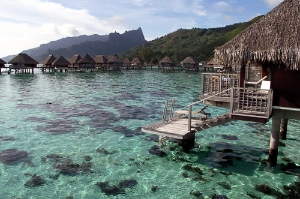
pixel 137 62
pixel 86 63
pixel 126 63
pixel 167 63
pixel 213 64
pixel 101 62
pixel 61 64
pixel 74 61
pixel 23 62
pixel 263 83
pixel 114 62
pixel 189 64
pixel 2 65
pixel 47 63
pixel 266 60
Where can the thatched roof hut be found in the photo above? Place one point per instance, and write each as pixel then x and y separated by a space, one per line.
pixel 167 62
pixel 2 63
pixel 189 60
pixel 100 59
pixel 189 63
pixel 61 62
pixel 48 61
pixel 74 60
pixel 137 61
pixel 126 62
pixel 274 38
pixel 114 62
pixel 86 61
pixel 23 60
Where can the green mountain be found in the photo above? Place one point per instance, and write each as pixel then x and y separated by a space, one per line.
pixel 197 42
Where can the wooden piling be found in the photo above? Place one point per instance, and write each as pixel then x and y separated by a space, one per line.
pixel 274 142
pixel 283 128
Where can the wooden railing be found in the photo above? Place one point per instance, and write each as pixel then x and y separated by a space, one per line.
pixel 213 83
pixel 190 106
pixel 251 102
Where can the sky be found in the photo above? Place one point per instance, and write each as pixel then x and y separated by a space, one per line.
pixel 26 24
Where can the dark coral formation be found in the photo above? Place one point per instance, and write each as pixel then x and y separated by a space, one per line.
pixel 67 166
pixel 35 181
pixel 263 188
pixel 104 151
pixel 128 183
pixel 155 150
pixel 219 196
pixel 10 156
pixel 108 189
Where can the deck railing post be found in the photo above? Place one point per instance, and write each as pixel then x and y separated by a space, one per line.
pixel 231 99
pixel 165 111
pixel 190 118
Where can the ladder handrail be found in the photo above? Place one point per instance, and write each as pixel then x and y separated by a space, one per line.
pixel 259 81
pixel 210 96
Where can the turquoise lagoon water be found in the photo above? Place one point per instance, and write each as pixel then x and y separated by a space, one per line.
pixel 81 131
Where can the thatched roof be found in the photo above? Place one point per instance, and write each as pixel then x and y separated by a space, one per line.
pixel 167 60
pixel 137 61
pixel 23 58
pixel 75 59
pixel 2 62
pixel 86 59
pixel 189 60
pixel 114 59
pixel 274 38
pixel 49 60
pixel 127 61
pixel 100 59
pixel 61 61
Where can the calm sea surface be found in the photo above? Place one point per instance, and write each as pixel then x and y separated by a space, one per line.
pixel 77 135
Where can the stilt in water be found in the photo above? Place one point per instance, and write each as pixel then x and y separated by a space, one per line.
pixel 188 142
pixel 274 142
pixel 283 128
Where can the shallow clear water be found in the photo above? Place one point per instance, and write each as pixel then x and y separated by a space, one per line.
pixel 94 120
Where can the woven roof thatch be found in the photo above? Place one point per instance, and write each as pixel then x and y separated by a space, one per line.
pixel 127 61
pixel 167 60
pixel 61 61
pixel 114 59
pixel 86 59
pixel 23 58
pixel 49 60
pixel 100 59
pixel 189 60
pixel 137 61
pixel 274 38
pixel 2 62
pixel 75 59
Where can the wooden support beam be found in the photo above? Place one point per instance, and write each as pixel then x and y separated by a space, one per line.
pixel 283 128
pixel 274 142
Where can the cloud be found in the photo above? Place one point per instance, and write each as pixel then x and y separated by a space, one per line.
pixel 273 3
pixel 43 21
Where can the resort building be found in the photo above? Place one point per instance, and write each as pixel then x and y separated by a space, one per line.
pixel 23 62
pixel 86 63
pixel 61 64
pixel 266 61
pixel 101 62
pixel 190 63
pixel 167 63
pixel 114 62
pixel 74 61
pixel 2 64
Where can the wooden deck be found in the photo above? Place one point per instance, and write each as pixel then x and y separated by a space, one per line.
pixel 177 127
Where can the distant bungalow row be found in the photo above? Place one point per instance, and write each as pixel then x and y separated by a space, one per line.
pixel 26 64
